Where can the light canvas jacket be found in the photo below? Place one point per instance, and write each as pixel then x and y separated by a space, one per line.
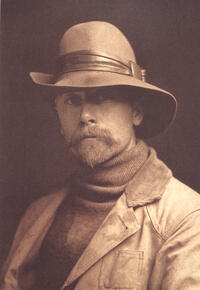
pixel 149 240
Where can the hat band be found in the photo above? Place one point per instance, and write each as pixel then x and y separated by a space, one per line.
pixel 93 61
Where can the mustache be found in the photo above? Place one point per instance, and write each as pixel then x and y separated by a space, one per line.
pixel 93 132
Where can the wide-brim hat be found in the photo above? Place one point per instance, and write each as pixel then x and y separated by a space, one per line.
pixel 97 54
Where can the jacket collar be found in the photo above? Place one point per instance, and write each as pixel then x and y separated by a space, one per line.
pixel 149 183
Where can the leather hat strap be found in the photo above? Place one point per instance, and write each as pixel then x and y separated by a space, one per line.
pixel 93 61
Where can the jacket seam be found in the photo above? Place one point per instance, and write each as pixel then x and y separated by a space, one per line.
pixel 153 226
pixel 169 232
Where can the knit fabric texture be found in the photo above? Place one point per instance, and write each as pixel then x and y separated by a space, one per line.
pixel 93 192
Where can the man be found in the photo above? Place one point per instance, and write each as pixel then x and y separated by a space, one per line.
pixel 123 221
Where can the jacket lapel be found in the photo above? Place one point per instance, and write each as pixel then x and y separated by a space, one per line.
pixel 119 224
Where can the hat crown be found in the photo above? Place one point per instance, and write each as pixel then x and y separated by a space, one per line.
pixel 97 36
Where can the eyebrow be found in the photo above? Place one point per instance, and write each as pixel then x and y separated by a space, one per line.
pixel 68 94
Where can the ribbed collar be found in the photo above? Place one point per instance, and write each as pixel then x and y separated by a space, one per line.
pixel 109 180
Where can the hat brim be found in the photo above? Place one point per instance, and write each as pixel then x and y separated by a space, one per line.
pixel 159 105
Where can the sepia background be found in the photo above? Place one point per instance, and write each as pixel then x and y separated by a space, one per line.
pixel 165 36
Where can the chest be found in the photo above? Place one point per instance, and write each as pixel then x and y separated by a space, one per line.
pixel 128 266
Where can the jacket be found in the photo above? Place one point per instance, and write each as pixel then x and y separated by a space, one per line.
pixel 149 240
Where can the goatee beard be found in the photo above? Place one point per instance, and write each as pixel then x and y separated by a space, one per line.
pixel 93 146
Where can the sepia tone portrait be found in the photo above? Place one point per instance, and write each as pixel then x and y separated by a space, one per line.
pixel 100 145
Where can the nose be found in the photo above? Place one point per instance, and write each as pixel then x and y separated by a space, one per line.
pixel 87 114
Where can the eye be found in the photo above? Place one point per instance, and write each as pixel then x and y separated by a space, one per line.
pixel 107 98
pixel 73 100
pixel 106 95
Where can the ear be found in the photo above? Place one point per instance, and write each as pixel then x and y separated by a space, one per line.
pixel 137 115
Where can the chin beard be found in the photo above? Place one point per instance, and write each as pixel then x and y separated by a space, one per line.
pixel 94 152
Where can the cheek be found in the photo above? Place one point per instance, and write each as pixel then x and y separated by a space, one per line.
pixel 69 121
pixel 121 123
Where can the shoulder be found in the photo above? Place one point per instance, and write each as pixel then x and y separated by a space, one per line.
pixel 181 196
pixel 51 201
pixel 39 212
pixel 47 200
pixel 178 204
pixel 47 204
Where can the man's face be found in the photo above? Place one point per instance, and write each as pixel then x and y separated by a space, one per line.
pixel 97 123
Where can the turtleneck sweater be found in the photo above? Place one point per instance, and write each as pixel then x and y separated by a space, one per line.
pixel 92 194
